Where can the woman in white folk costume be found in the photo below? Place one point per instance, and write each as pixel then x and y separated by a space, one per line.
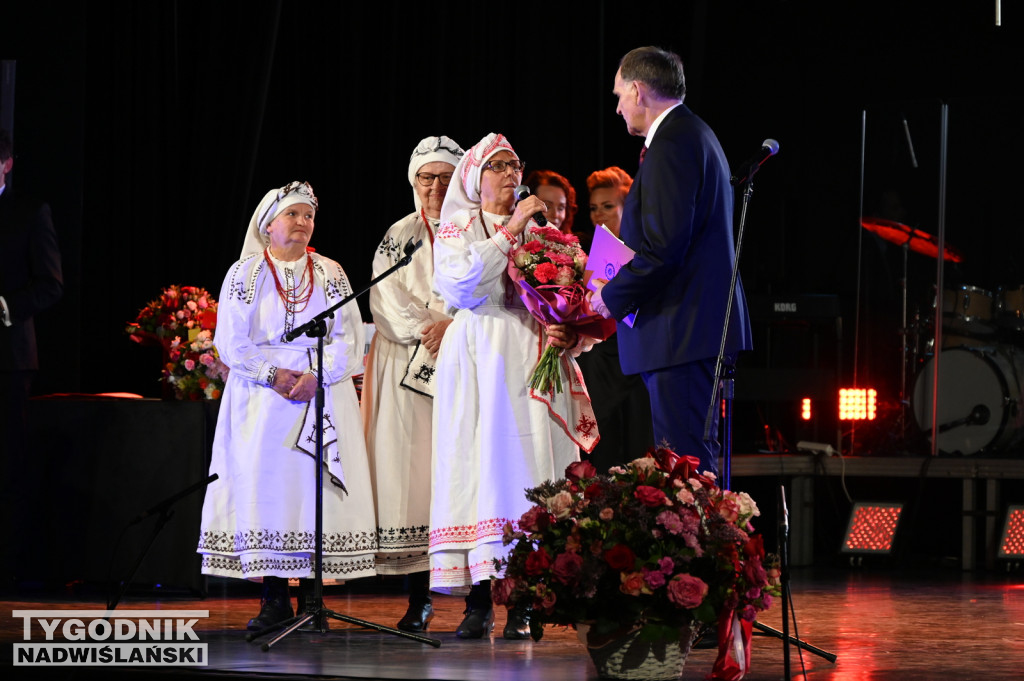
pixel 398 389
pixel 493 437
pixel 259 517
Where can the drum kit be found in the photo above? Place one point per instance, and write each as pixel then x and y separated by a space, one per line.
pixel 980 362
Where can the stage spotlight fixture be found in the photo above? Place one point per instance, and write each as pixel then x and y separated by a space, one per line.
pixel 872 528
pixel 858 404
pixel 1011 542
pixel 805 409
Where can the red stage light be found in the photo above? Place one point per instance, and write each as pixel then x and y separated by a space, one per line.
pixel 872 528
pixel 858 404
pixel 1011 543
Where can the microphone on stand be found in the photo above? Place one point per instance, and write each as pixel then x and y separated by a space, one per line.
pixel 746 170
pixel 522 191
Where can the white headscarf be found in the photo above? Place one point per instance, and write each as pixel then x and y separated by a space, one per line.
pixel 465 194
pixel 273 203
pixel 429 150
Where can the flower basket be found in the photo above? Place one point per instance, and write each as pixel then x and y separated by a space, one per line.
pixel 654 547
pixel 630 656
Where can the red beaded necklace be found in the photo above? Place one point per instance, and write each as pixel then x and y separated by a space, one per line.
pixel 299 294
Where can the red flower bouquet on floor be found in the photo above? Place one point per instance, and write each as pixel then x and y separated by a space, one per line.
pixel 182 321
pixel 653 546
pixel 548 274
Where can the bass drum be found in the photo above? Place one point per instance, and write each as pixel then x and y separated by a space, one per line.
pixel 979 406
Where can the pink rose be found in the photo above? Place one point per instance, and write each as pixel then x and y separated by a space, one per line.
pixel 207 360
pixel 687 591
pixel 650 496
pixel 729 509
pixel 565 276
pixel 606 514
pixel 567 567
pixel 560 505
pixel 189 365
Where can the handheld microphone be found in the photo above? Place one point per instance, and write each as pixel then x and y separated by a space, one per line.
pixel 746 170
pixel 522 191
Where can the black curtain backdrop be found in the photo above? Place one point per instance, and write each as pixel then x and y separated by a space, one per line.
pixel 153 128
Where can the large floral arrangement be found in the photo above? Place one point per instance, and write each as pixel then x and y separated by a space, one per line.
pixel 547 270
pixel 653 545
pixel 182 321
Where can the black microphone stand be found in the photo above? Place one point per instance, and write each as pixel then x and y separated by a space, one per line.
pixel 166 512
pixel 317 328
pixel 726 377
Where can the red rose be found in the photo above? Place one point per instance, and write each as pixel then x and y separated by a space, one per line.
pixel 535 520
pixel 620 557
pixel 579 470
pixel 754 546
pixel 567 567
pixel 537 562
pixel 650 496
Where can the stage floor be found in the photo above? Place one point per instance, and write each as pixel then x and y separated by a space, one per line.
pixel 883 625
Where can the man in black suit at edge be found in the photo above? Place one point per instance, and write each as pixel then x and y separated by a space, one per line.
pixel 30 281
pixel 677 217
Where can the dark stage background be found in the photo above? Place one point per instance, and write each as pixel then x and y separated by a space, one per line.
pixel 153 128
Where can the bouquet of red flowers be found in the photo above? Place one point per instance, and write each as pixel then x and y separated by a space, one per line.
pixel 653 546
pixel 548 274
pixel 182 321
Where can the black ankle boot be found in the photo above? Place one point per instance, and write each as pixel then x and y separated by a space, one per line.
pixel 517 627
pixel 479 619
pixel 421 609
pixel 275 604
pixel 418 615
pixel 307 603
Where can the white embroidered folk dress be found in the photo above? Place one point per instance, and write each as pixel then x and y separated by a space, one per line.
pixel 259 516
pixel 492 440
pixel 397 403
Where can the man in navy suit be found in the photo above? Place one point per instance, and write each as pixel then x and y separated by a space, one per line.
pixel 677 217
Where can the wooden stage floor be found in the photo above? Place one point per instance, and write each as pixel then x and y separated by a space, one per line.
pixel 883 625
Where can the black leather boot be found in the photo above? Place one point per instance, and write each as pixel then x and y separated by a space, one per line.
pixel 307 603
pixel 517 627
pixel 421 609
pixel 275 604
pixel 479 619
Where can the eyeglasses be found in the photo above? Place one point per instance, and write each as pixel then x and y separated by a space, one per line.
pixel 427 179
pixel 499 166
